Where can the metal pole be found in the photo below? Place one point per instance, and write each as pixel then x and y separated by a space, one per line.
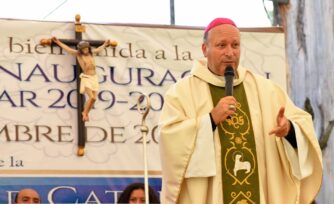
pixel 144 130
pixel 172 12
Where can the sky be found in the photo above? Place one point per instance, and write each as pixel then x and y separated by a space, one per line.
pixel 245 13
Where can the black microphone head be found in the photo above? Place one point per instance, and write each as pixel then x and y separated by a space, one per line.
pixel 229 75
pixel 229 71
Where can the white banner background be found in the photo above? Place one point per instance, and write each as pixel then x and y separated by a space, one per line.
pixel 38 121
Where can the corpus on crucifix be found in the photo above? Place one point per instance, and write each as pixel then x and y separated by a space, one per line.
pixel 89 81
pixel 88 85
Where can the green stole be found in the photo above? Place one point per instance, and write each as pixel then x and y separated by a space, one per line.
pixel 238 151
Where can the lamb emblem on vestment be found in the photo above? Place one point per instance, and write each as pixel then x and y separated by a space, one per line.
pixel 241 165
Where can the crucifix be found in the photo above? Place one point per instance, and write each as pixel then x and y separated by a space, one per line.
pixel 86 71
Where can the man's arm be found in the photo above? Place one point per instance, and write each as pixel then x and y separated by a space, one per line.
pixel 100 48
pixel 64 46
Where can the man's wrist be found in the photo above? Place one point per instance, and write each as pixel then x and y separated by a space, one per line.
pixel 213 124
pixel 291 136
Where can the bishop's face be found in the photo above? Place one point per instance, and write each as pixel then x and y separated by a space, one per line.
pixel 222 48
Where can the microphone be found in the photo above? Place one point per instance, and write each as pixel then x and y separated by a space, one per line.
pixel 229 75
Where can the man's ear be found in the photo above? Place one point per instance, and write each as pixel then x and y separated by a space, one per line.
pixel 204 48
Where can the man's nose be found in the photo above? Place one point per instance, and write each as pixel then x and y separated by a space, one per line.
pixel 229 51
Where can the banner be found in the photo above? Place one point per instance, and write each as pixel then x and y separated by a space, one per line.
pixel 38 107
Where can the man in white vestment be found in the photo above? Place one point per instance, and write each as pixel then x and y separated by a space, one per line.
pixel 254 146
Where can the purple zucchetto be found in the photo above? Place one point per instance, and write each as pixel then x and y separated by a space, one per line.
pixel 219 21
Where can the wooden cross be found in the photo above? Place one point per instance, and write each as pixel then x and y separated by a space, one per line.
pixel 79 29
